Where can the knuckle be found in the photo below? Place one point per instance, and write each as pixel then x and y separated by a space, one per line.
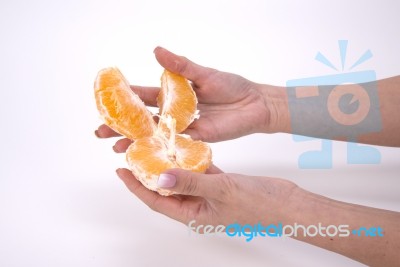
pixel 182 65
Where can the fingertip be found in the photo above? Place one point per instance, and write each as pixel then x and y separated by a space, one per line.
pixel 158 48
pixel 167 59
pixel 125 175
pixel 120 172
pixel 105 131
pixel 122 145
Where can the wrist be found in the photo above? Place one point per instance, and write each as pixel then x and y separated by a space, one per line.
pixel 307 208
pixel 293 208
pixel 276 104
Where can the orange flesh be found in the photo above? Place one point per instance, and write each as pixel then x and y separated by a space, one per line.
pixel 120 108
pixel 177 99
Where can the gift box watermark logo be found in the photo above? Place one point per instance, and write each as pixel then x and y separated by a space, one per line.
pixel 321 106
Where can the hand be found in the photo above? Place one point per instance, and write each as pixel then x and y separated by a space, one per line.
pixel 230 106
pixel 217 198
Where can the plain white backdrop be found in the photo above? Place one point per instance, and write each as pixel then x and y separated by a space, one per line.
pixel 61 203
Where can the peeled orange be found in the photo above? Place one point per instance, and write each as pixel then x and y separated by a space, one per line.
pixel 120 108
pixel 177 100
pixel 155 148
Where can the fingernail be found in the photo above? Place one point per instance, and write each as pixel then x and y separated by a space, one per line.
pixel 117 171
pixel 96 133
pixel 115 149
pixel 166 180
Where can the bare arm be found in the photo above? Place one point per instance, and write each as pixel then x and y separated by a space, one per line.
pixel 383 130
pixel 380 248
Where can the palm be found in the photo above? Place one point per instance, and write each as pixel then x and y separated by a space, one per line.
pixel 230 106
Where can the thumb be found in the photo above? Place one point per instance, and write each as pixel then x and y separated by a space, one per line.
pixel 189 183
pixel 181 65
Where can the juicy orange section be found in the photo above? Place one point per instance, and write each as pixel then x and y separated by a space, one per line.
pixel 154 150
pixel 120 108
pixel 149 156
pixel 177 99
pixel 193 155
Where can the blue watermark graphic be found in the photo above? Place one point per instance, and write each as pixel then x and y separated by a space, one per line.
pixel 249 232
pixel 321 106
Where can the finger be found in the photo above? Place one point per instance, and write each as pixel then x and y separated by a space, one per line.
pixel 147 94
pixel 194 134
pixel 213 170
pixel 190 183
pixel 105 132
pixel 181 65
pixel 197 131
pixel 122 145
pixel 170 206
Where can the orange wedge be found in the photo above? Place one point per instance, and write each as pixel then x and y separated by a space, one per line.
pixel 150 156
pixel 177 100
pixel 120 108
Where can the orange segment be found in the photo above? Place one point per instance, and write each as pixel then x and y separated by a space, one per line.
pixel 192 155
pixel 149 157
pixel 177 99
pixel 120 108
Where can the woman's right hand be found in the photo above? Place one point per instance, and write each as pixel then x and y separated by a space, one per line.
pixel 230 106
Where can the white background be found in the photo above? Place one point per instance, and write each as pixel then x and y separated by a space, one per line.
pixel 61 203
